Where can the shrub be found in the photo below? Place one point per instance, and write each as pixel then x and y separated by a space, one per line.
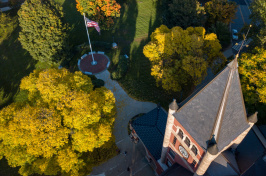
pixel 98 83
pixel 121 69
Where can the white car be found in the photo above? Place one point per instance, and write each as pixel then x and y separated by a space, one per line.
pixel 234 34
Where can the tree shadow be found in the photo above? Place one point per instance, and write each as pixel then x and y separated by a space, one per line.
pixel 138 82
pixel 77 30
pixel 15 63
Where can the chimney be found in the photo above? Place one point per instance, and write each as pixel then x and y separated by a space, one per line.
pixel 173 107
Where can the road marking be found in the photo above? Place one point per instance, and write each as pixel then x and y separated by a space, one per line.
pixel 248 6
pixel 241 14
pixel 120 141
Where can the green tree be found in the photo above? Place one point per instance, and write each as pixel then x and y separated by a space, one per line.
pixel 185 13
pixel 223 33
pixel 179 56
pixel 5 25
pixel 258 16
pixel 252 68
pixel 62 121
pixel 103 12
pixel 220 10
pixel 43 33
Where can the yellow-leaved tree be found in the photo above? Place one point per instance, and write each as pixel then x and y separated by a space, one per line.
pixel 180 57
pixel 60 124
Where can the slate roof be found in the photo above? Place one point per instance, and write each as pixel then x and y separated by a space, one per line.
pixel 249 155
pixel 220 167
pixel 150 128
pixel 176 170
pixel 198 114
pixel 262 129
pixel 230 157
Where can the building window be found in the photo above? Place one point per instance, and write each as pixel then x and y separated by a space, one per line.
pixel 172 153
pixel 174 141
pixel 169 164
pixel 194 150
pixel 180 134
pixel 194 163
pixel 187 141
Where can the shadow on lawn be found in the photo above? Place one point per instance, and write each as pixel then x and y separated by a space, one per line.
pixel 138 82
pixel 15 63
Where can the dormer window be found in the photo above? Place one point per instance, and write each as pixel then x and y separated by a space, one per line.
pixel 180 133
pixel 194 150
pixel 187 141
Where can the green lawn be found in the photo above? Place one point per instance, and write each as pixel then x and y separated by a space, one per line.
pixel 131 32
pixel 15 63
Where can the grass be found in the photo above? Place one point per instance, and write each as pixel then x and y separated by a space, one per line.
pixel 15 63
pixel 139 18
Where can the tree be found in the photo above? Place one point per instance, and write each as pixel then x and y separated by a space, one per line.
pixel 220 10
pixel 258 16
pixel 223 33
pixel 61 120
pixel 43 33
pixel 5 24
pixel 252 68
pixel 104 12
pixel 179 56
pixel 185 13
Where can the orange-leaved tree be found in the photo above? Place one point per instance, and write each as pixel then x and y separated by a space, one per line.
pixel 102 11
pixel 58 126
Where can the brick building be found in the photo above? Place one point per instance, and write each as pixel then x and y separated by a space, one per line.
pixel 202 134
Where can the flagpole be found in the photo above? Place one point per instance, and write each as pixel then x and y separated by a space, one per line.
pixel 93 61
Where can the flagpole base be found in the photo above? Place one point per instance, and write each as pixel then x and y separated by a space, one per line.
pixel 93 62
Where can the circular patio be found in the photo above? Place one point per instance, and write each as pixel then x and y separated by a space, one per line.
pixel 85 63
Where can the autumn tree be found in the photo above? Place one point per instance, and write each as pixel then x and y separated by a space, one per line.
pixel 43 33
pixel 252 68
pixel 102 11
pixel 258 16
pixel 179 56
pixel 5 24
pixel 185 13
pixel 220 10
pixel 62 119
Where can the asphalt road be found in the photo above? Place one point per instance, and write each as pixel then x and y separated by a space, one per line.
pixel 242 15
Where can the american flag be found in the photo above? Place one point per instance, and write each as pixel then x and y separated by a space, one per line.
pixel 92 24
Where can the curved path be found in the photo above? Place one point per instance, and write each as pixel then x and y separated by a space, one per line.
pixel 126 109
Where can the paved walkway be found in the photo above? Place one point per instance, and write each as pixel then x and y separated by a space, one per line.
pixel 126 109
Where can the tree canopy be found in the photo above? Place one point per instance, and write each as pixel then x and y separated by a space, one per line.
pixel 5 24
pixel 223 33
pixel 101 11
pixel 220 10
pixel 258 16
pixel 252 67
pixel 179 56
pixel 43 33
pixel 61 119
pixel 185 13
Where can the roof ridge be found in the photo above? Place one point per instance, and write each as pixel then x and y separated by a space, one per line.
pixel 220 113
pixel 200 90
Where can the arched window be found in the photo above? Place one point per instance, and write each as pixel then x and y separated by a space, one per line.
pixel 174 141
pixel 180 133
pixel 194 150
pixel 194 163
pixel 187 141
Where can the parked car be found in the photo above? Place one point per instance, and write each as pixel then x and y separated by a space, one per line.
pixel 234 34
